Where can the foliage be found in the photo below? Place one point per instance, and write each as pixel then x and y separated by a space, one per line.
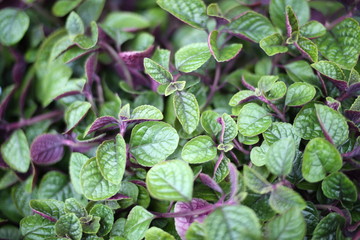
pixel 191 119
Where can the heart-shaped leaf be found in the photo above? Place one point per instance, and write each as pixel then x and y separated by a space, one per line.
pixel 338 186
pixel 253 120
pixel 199 150
pixel 299 94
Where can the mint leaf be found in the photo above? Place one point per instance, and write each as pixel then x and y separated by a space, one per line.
pixel 106 218
pixel 165 182
pixel 253 120
pixel 191 57
pixel 75 113
pixel 199 150
pixel 255 181
pixel 187 110
pixel 320 157
pixel 36 227
pixel 225 54
pixel 282 199
pixel 299 94
pixel 157 72
pixel 14 24
pixel 50 208
pixel 328 226
pixel 69 226
pixel 273 44
pixel 77 161
pixel 339 186
pixel 146 112
pixel 137 223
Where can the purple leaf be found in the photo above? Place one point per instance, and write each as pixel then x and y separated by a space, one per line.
pixel 118 196
pixel 353 89
pixel 90 67
pixel 208 181
pixel 333 104
pixel 101 122
pixel 47 149
pixel 354 153
pixel 135 59
pixel 183 223
pixel 353 115
pixel 19 67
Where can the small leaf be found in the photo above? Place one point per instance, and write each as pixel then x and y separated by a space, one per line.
pixel 307 124
pixel 272 44
pixel 299 94
pixel 328 227
pixel 95 187
pixel 187 110
pixel 14 24
pixel 86 42
pixel 100 123
pixel 280 130
pixel 138 221
pixel 290 225
pixel 157 72
pixel 280 156
pixel 15 151
pixel 232 222
pixel 55 185
pixel 153 142
pixel 63 7
pixel 164 181
pixel 307 48
pixel 69 226
pixel 231 130
pixel 125 21
pixel 292 23
pixel 191 57
pixel 342 44
pixel 338 186
pixel 146 112
pixel 111 159
pixel 266 83
pixel 75 113
pixel 301 71
pixel 74 25
pixel 332 123
pixel 192 12
pixel 155 233
pixel 258 154
pixel 36 227
pixel 77 161
pixel 73 206
pixel 47 149
pixel 253 120
pixel 329 69
pixel 252 26
pixel 255 182
pixel 320 157
pixel 48 207
pixel 312 29
pixel 199 150
pixel 209 122
pixel 106 218
pixel 225 54
pixel 242 97
pixel 282 199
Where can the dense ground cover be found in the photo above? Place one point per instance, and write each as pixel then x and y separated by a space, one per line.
pixel 179 119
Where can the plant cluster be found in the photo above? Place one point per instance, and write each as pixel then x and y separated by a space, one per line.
pixel 179 119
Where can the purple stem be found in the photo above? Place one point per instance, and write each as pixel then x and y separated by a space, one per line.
pixel 221 121
pixel 280 114
pixel 99 90
pixel 31 121
pixel 322 84
pixel 236 160
pixel 239 147
pixel 217 164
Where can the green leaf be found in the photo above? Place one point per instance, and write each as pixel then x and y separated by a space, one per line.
pixel 192 56
pixel 125 21
pixel 307 124
pixel 230 128
pixel 77 161
pixel 253 120
pixel 170 180
pixel 329 69
pixel 153 142
pixel 90 10
pixel 292 23
pixel 209 122
pixel 192 12
pixel 63 7
pixel 13 25
pixel 282 199
pixel 333 123
pixel 10 232
pixel 157 72
pixel 280 130
pixel 49 207
pixel 301 71
pixel 199 150
pixel 74 25
pixel 255 182
pixel 266 83
pixel 146 112
pixel 312 29
pixel 307 48
pixel 288 226
pixel 106 218
pixel 73 206
pixel 187 110
pixel 86 42
pixel 232 222
pixel 162 57
pixel 258 154
pixel 280 156
pixel 138 221
pixel 320 157
pixel 299 94
pixel 75 113
pixel 251 25
pixel 273 44
pixel 15 151
pixel 225 54
pixel 174 86
pixel 277 11
pixel 338 186
pixel 342 44
pixel 111 159
pixel 90 224
pixel 36 227
pixel 95 187
pixel 55 185
pixel 241 96
pixel 328 227
pixel 69 226
pixel 155 233
pixel 311 216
